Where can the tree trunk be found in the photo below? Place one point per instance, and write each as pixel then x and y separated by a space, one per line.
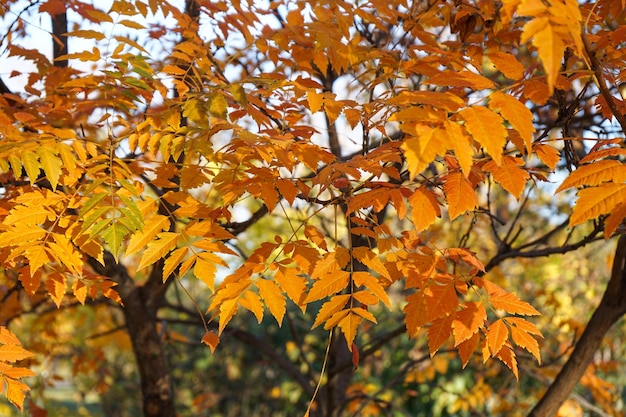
pixel 140 308
pixel 611 309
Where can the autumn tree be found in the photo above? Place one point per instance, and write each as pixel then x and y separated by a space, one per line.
pixel 347 160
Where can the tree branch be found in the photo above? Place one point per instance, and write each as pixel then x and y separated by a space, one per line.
pixel 612 307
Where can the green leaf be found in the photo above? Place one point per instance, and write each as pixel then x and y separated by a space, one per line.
pixel 114 236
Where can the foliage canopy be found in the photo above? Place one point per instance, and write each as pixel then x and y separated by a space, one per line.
pixel 141 153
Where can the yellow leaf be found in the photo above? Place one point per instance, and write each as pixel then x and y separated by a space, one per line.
pixel 595 174
pixel 99 16
pixel 239 94
pixel 349 326
pixel 487 128
pixel 459 194
pixel 507 64
pixel 548 39
pixel 461 144
pixel 227 310
pixel 205 269
pixel 130 23
pixel 273 297
pixel 509 174
pixel 31 165
pixel 371 283
pixel 157 249
pixel 37 257
pixel 520 117
pixel 497 335
pixel 50 163
pixel 252 302
pixel 369 259
pixel 66 254
pixel 173 261
pixel 328 285
pixel 329 308
pixel 173 70
pixel 461 79
pixel 87 34
pixel 218 106
pixel 593 202
pixel 422 149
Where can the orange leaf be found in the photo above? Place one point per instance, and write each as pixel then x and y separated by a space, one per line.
pixel 614 220
pixel 438 332
pixel 593 202
pixel 513 305
pixel 211 339
pixel 328 285
pixel 459 194
pixel 524 340
pixel 415 313
pixel 314 235
pixel 509 174
pixel 487 128
pixel 12 353
pixel 520 117
pixel 497 335
pixel 468 321
pixel 424 208
pixel 441 300
pixel 7 337
pixel 18 372
pixel 467 348
pixel 548 154
pixel 291 283
pixel 56 287
pixel 524 325
pixel 507 356
pixel 16 392
pixel 595 174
